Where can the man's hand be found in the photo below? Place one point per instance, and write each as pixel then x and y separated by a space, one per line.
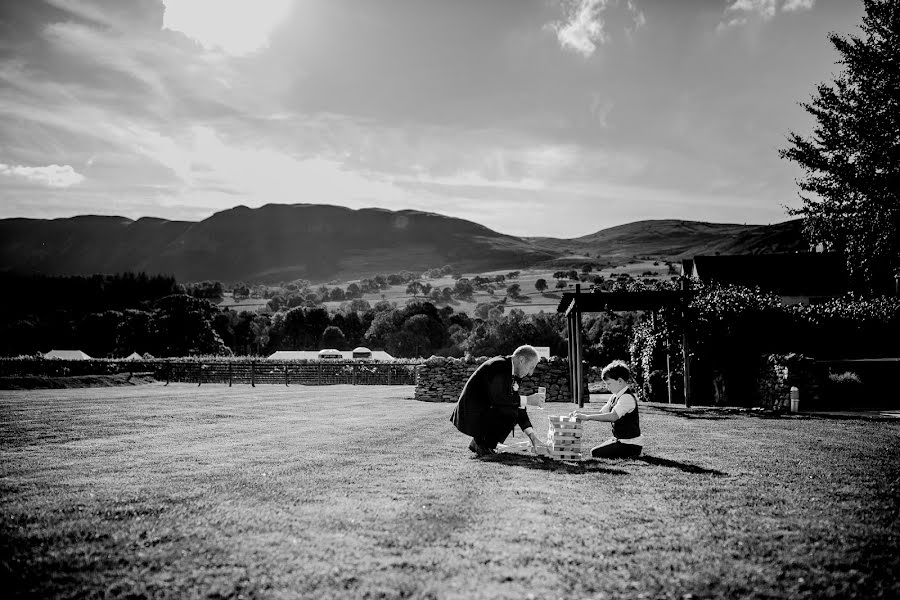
pixel 536 400
pixel 539 448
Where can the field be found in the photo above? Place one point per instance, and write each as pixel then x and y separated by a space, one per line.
pixel 546 302
pixel 362 492
pixel 537 302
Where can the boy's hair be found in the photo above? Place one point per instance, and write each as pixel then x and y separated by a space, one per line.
pixel 617 369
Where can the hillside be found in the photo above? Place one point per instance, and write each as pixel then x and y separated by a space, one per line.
pixel 271 243
pixel 673 239
pixel 321 243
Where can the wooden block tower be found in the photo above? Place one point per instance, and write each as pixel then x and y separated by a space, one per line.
pixel 564 438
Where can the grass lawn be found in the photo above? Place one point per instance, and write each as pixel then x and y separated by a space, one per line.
pixel 362 492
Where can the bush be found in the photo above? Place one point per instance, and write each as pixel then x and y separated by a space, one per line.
pixel 842 391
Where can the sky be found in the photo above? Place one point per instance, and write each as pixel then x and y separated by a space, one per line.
pixel 532 117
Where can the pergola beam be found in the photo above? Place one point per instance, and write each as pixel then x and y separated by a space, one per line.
pixel 574 304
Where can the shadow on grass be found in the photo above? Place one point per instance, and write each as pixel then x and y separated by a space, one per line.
pixel 542 463
pixel 685 467
pixel 697 413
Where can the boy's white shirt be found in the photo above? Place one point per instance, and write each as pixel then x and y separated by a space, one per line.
pixel 622 406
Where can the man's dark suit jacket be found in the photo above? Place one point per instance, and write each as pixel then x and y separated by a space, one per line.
pixel 488 408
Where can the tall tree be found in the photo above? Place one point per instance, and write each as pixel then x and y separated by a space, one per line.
pixel 851 186
pixel 333 337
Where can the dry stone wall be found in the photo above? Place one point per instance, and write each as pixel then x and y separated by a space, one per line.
pixel 441 379
pixel 779 373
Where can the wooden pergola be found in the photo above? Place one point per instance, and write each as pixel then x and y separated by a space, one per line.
pixel 574 304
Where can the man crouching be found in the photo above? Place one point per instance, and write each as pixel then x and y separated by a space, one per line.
pixel 489 405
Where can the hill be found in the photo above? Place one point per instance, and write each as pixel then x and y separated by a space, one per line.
pixel 321 243
pixel 271 243
pixel 674 239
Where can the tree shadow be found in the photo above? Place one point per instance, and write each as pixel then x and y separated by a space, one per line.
pixel 720 413
pixel 697 413
pixel 685 467
pixel 543 463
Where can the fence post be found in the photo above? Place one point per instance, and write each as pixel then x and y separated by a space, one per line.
pixel 285 374
pixel 352 374
pixel 390 372
pixel 252 375
pixel 199 373
pixel 168 371
pixel 318 373
pixel 229 374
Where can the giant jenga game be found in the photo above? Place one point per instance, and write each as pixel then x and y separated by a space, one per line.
pixel 564 438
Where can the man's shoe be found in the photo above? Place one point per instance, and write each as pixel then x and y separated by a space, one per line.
pixel 479 450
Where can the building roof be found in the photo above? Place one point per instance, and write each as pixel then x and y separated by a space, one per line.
pixel 604 301
pixel 797 274
pixel 134 356
pixel 315 355
pixel 67 355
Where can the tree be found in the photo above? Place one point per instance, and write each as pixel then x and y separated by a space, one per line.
pixel 182 325
pixel 851 202
pixel 513 290
pixel 333 337
pixel 414 288
pixel 260 330
pixel 540 285
pixel 463 288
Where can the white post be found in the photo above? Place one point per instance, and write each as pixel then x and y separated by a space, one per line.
pixel 795 399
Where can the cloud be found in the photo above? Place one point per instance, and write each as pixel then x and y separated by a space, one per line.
pixel 739 12
pixel 764 8
pixel 600 108
pixel 637 16
pixel 584 28
pixel 238 28
pixel 57 176
pixel 796 5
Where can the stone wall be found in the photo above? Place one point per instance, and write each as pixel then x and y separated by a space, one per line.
pixel 779 373
pixel 441 379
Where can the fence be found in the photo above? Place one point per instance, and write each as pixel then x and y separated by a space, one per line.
pixel 227 371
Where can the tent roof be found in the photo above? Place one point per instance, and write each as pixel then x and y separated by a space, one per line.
pixel 67 355
pixel 315 355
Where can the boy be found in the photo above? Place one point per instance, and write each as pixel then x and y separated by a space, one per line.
pixel 621 411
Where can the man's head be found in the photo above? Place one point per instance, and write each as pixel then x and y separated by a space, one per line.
pixel 525 359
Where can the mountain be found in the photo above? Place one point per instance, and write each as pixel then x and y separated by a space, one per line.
pixel 673 239
pixel 280 242
pixel 276 242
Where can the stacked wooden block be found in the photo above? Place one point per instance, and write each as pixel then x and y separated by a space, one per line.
pixel 564 438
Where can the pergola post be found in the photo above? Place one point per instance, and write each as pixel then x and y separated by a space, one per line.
pixel 685 342
pixel 573 326
pixel 579 363
pixel 570 338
